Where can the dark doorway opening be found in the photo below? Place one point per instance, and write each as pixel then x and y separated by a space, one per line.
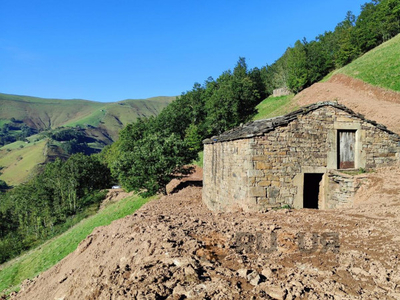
pixel 311 189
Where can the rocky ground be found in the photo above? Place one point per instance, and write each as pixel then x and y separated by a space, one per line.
pixel 175 248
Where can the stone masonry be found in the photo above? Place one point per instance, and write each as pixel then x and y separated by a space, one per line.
pixel 262 164
pixel 281 92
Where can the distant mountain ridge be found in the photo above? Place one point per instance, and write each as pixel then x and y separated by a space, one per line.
pixel 43 113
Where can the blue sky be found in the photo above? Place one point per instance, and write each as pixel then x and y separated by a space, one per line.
pixel 119 49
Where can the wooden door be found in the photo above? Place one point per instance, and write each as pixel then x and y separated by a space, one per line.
pixel 346 149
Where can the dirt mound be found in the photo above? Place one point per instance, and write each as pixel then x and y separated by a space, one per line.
pixel 175 248
pixel 114 195
pixel 193 178
pixel 375 103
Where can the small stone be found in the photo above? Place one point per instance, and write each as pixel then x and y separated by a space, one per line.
pixel 179 290
pixel 190 271
pixel 276 292
pixel 242 273
pixel 267 272
pixel 254 278
pixel 359 271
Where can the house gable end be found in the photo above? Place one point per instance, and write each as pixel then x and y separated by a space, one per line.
pixel 261 127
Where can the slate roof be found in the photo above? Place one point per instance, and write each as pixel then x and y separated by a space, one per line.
pixel 260 127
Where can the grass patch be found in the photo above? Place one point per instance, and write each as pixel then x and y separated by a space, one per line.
pixel 2 122
pixel 93 119
pixel 45 256
pixel 358 171
pixel 379 67
pixel 327 77
pixel 199 161
pixel 275 106
pixel 286 206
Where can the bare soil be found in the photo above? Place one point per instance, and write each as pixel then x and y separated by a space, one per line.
pixel 175 248
pixel 115 195
pixel 378 104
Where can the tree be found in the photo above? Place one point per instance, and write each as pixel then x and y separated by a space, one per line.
pixel 319 61
pixel 297 67
pixel 232 98
pixel 367 27
pixel 3 185
pixel 152 163
pixel 390 15
pixel 275 76
pixel 347 41
pixel 194 138
pixel 187 109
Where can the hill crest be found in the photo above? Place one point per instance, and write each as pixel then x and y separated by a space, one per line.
pixel 50 113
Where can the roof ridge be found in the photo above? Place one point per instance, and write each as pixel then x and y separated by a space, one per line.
pixel 259 127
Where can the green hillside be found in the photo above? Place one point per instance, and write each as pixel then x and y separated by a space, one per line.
pixel 379 67
pixel 22 116
pixel 19 159
pixel 274 106
pixel 42 114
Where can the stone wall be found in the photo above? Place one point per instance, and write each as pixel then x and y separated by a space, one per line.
pixel 281 92
pixel 341 189
pixel 228 168
pixel 281 154
pixel 267 171
pixel 379 147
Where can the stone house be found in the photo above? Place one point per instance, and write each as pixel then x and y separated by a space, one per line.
pixel 281 92
pixel 304 159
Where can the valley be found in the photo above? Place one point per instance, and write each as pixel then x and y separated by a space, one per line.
pixel 98 123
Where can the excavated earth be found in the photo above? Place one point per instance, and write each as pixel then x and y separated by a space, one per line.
pixel 175 248
pixel 378 104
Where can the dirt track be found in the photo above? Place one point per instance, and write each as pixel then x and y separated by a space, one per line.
pixel 174 248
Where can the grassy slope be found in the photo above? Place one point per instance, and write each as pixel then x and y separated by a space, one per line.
pixel 19 162
pixel 379 67
pixel 52 113
pixel 40 259
pixel 45 113
pixel 275 106
pixel 121 113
